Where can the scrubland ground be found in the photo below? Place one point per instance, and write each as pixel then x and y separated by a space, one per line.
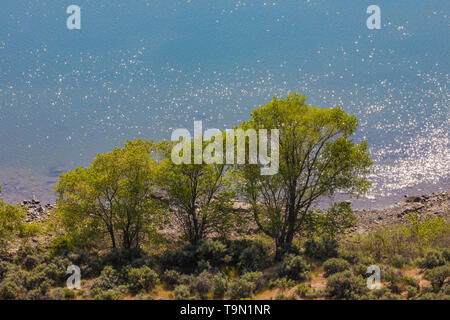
pixel 409 243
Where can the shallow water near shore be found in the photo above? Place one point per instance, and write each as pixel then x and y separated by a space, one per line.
pixel 67 95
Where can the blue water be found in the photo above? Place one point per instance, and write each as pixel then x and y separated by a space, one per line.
pixel 144 68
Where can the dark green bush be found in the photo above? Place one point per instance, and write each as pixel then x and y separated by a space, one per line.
pixel 4 268
pixel 411 292
pixel 322 248
pixel 122 257
pixel 196 258
pixel 282 283
pixel 294 267
pixel 182 292
pixel 438 276
pixel 69 294
pixel 108 279
pixel 397 261
pixel 302 290
pixel 335 265
pixel 220 286
pixel 380 294
pixel 213 252
pixel 446 254
pixel 433 258
pixel 256 278
pixel 434 296
pixel 171 278
pixel 10 290
pixel 203 284
pixel 255 257
pixel 240 289
pixel 344 285
pixel 393 278
pixel 110 294
pixel 142 279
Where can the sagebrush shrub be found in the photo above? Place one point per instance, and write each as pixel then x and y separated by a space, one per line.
pixel 255 257
pixel 411 292
pixel 9 290
pixel 335 265
pixel 256 278
pixel 142 279
pixel 182 292
pixel 108 279
pixel 171 278
pixel 294 267
pixel 397 261
pixel 69 294
pixel 203 284
pixel 321 248
pixel 241 289
pixel 432 259
pixel 438 276
pixel 344 285
pixel 110 294
pixel 220 286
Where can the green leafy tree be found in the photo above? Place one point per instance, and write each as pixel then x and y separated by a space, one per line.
pixel 11 223
pixel 112 197
pixel 316 158
pixel 199 194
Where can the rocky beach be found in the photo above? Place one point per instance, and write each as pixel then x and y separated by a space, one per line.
pixel 428 204
pixel 434 204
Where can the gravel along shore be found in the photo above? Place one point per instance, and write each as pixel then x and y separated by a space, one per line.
pixel 429 204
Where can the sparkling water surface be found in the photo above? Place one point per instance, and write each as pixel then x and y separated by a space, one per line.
pixel 145 68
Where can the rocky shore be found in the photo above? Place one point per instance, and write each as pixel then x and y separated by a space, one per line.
pixel 429 204
pixel 35 210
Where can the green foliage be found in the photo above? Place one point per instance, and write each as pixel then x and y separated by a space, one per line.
pixel 142 279
pixel 11 223
pixel 111 197
pixel 302 290
pixel 249 255
pixel 199 193
pixel 255 278
pixel 220 286
pixel 397 261
pixel 203 284
pixel 335 221
pixel 380 294
pixel 335 265
pixel 321 248
pixel 433 258
pixel 438 276
pixel 108 279
pixel 344 285
pixel 294 267
pixel 110 294
pixel 256 256
pixel 241 289
pixel 282 283
pixel 69 294
pixel 411 292
pixel 215 255
pixel 206 254
pixel 409 240
pixel 182 292
pixel 9 290
pixel 171 278
pixel 316 158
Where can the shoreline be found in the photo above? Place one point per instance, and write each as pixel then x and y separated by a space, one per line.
pixel 433 204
